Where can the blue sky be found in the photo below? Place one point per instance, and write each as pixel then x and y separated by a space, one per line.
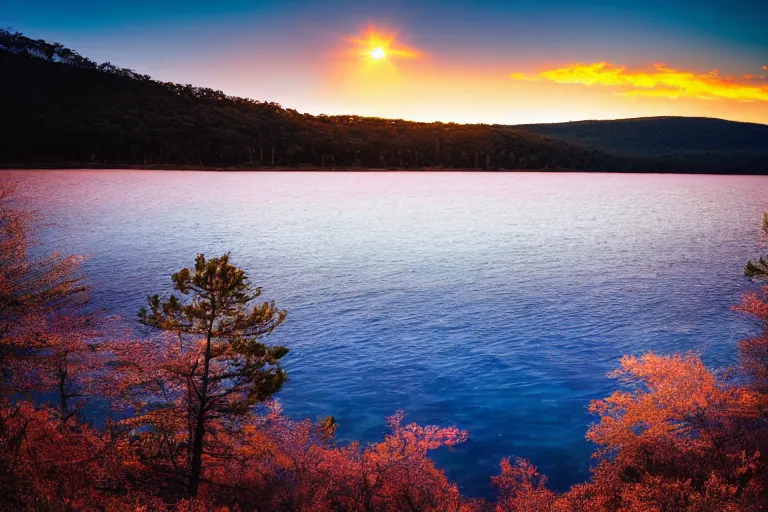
pixel 293 44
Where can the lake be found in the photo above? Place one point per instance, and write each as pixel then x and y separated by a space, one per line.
pixel 493 301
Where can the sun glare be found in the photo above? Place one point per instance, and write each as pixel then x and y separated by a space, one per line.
pixel 375 45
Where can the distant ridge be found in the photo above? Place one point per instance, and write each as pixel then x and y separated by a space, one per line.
pixel 660 136
pixel 60 109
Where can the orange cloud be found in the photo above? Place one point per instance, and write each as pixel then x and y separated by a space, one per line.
pixel 660 82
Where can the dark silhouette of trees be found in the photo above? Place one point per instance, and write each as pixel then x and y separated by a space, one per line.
pixel 711 145
pixel 63 109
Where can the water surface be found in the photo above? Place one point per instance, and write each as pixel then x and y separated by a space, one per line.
pixel 496 302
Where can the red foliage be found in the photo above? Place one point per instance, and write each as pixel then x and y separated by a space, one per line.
pixel 149 379
pixel 288 465
pixel 50 465
pixel 684 434
pixel 754 351
pixel 681 438
pixel 676 436
pixel 31 287
pixel 522 488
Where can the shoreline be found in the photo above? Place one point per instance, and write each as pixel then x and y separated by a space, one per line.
pixel 75 167
pixel 278 169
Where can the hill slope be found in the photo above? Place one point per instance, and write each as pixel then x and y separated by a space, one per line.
pixel 54 112
pixel 62 109
pixel 658 136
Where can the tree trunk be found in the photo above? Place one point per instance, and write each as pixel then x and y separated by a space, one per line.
pixel 196 462
pixel 63 397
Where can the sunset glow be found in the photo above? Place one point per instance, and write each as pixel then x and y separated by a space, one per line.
pixel 540 227
pixel 505 63
pixel 378 53
pixel 378 45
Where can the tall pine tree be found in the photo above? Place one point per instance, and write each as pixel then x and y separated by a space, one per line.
pixel 221 366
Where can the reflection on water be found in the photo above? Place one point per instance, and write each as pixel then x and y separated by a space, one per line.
pixel 493 301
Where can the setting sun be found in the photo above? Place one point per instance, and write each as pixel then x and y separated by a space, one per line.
pixel 377 45
pixel 408 181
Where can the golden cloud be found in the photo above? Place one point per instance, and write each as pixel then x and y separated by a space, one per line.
pixel 660 82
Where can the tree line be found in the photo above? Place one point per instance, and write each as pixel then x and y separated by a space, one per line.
pixel 63 109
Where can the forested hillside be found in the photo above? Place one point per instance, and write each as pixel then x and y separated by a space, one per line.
pixel 62 109
pixel 666 137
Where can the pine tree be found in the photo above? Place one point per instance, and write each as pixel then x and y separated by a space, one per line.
pixel 222 367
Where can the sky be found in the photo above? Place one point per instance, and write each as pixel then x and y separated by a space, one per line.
pixel 505 62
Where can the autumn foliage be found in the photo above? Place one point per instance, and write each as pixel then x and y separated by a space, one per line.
pixel 195 426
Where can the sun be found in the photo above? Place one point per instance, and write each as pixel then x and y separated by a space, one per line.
pixel 381 46
pixel 378 53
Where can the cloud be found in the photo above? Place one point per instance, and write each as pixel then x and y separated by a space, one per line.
pixel 523 76
pixel 660 81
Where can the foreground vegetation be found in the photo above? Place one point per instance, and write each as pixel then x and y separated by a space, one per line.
pixel 62 109
pixel 196 427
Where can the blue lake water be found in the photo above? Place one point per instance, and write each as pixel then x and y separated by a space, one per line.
pixel 496 302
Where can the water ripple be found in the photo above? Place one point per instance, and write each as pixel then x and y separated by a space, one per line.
pixel 497 302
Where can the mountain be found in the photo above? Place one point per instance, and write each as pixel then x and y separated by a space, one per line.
pixel 653 136
pixel 61 109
